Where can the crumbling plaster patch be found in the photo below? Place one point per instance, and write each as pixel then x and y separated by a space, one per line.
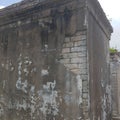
pixel 49 96
pixel 1 110
pixel 23 69
pixel 106 102
pixel 8 65
pixel 44 72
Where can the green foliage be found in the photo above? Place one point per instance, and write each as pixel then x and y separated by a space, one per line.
pixel 113 50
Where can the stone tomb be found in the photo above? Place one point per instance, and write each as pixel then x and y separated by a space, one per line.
pixel 54 61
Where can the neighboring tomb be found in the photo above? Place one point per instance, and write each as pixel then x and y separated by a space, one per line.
pixel 115 82
pixel 54 61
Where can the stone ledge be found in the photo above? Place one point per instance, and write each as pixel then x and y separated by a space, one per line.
pixel 116 118
pixel 98 14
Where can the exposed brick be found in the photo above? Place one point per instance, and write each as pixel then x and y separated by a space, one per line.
pixel 85 101
pixel 82 54
pixel 83 37
pixel 67 39
pixel 79 37
pixel 72 55
pixel 76 71
pixel 85 83
pixel 69 44
pixel 84 77
pixel 75 60
pixel 64 45
pixel 83 48
pixel 78 60
pixel 85 95
pixel 85 90
pixel 65 50
pixel 82 65
pixel 66 55
pixel 80 43
pixel 76 38
pixel 72 66
pixel 78 49
pixel 81 33
pixel 65 61
pixel 83 60
pixel 75 49
pixel 83 71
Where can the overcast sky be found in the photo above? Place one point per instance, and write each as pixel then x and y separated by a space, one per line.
pixel 8 2
pixel 111 8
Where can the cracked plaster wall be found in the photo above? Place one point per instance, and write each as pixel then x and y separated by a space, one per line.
pixel 45 64
pixel 37 82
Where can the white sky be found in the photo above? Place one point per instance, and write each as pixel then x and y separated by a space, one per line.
pixel 112 9
pixel 1 7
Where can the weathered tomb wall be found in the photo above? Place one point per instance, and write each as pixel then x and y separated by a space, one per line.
pixel 99 66
pixel 46 67
pixel 43 62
